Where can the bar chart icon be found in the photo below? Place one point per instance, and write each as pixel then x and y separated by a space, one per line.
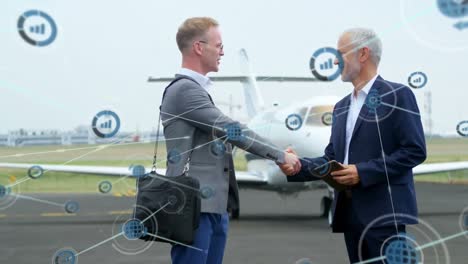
pixel 417 80
pixel 107 124
pixel 327 65
pixel 322 64
pixel 293 122
pixel 462 128
pixel 39 29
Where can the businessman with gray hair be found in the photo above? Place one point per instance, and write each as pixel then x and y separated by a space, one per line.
pixel 378 137
pixel 188 111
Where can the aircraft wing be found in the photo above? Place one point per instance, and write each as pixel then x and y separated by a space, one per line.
pixel 244 78
pixel 96 170
pixel 440 167
pixel 243 177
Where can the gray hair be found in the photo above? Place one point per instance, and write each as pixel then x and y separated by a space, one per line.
pixel 364 37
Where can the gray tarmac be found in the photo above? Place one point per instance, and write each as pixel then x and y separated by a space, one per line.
pixel 271 229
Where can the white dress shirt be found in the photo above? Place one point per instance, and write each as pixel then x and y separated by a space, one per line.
pixel 203 80
pixel 357 101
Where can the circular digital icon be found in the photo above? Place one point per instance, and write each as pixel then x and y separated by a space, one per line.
pixel 4 191
pixel 234 132
pixel 37 28
pixel 7 200
pixel 105 186
pixel 106 124
pixel 65 256
pixel 293 122
pixel 384 100
pixel 328 118
pixel 465 221
pixel 217 149
pixel 320 167
pixel 35 172
pixel 373 101
pixel 322 66
pixel 417 80
pixel 207 192
pixel 133 229
pixel 175 201
pixel 403 244
pixel 138 170
pixel 174 156
pixel 462 128
pixel 72 207
pixel 402 250
pixel 453 8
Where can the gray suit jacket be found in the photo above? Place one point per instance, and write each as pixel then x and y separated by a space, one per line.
pixel 188 111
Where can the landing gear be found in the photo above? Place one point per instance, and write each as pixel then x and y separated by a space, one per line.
pixel 235 214
pixel 325 206
pixel 325 209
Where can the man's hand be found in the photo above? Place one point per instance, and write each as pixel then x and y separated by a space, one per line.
pixel 347 176
pixel 292 164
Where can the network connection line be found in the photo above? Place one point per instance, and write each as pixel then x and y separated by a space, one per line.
pixel 402 109
pixel 386 172
pixel 98 244
pixel 186 112
pixel 162 207
pixel 175 242
pixel 37 200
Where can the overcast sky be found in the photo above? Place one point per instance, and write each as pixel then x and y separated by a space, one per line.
pixel 105 51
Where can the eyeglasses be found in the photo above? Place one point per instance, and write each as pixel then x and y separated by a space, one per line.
pixel 219 46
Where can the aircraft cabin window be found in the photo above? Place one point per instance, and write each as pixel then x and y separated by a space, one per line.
pixel 314 117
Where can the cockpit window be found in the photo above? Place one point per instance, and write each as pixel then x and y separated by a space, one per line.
pixel 302 112
pixel 314 116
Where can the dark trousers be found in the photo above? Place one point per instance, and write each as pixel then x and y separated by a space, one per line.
pixel 373 240
pixel 210 237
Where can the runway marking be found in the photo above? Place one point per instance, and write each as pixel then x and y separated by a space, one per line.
pixel 56 214
pixel 12 178
pixel 120 212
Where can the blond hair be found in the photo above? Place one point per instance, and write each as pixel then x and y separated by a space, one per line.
pixel 192 28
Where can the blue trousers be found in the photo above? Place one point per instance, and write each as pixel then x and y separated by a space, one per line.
pixel 210 237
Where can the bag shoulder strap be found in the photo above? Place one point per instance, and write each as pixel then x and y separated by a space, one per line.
pixel 176 79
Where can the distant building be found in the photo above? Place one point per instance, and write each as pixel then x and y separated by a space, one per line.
pixel 82 135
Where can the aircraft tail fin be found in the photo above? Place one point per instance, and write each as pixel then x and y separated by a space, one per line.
pixel 253 98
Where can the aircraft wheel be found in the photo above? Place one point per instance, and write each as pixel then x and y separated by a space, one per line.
pixel 325 207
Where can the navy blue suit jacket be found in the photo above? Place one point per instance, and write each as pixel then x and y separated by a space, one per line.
pixel 393 121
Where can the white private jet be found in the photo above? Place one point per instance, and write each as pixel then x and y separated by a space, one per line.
pixel 309 141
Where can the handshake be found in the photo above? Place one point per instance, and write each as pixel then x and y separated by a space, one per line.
pixel 292 164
